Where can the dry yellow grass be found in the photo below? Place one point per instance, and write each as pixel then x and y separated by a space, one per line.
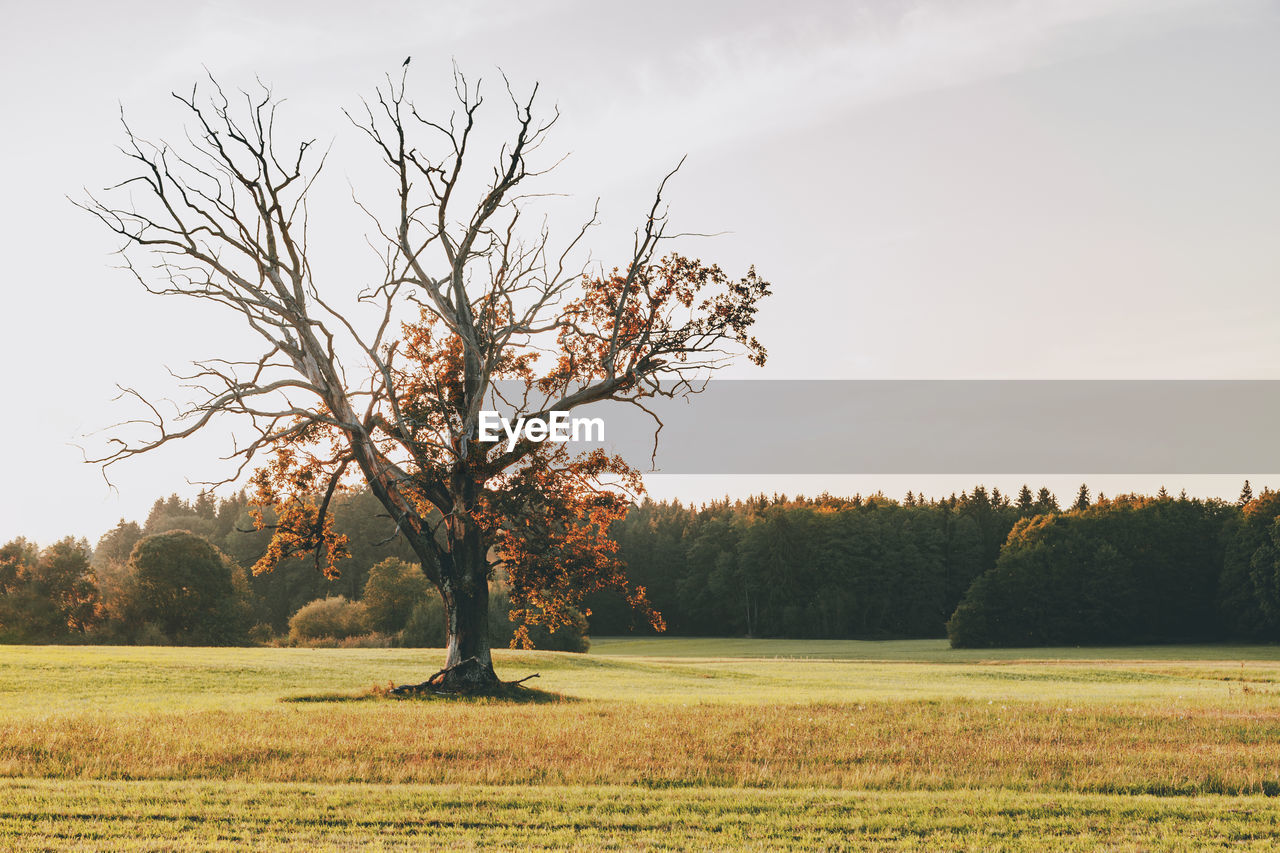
pixel 874 745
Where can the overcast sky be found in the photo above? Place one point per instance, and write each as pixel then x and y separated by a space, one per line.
pixel 977 189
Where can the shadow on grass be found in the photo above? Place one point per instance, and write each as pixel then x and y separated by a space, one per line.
pixel 505 694
pixel 333 697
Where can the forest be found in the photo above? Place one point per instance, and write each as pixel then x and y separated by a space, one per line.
pixel 982 568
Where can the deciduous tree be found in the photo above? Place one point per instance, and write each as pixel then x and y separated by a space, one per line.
pixel 47 593
pixel 393 590
pixel 467 296
pixel 187 589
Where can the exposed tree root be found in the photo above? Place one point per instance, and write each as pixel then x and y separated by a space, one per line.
pixel 465 678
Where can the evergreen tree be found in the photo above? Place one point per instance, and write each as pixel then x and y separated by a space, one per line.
pixel 1246 494
pixel 116 545
pixel 1046 501
pixel 1082 498
pixel 1026 503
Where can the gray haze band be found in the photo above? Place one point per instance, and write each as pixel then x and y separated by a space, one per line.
pixel 953 427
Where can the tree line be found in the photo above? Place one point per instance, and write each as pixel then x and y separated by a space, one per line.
pixel 983 568
pixel 181 577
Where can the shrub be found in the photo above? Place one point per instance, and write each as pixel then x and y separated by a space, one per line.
pixel 149 634
pixel 262 634
pixel 334 618
pixel 372 640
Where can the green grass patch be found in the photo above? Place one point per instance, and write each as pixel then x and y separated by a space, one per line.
pixel 66 679
pixel 919 651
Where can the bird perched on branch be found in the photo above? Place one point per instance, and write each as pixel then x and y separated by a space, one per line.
pixel 406 61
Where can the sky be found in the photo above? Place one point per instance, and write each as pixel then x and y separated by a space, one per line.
pixel 943 189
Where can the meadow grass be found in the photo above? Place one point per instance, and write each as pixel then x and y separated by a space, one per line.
pixel 918 651
pixel 678 743
pixel 46 679
pixel 152 816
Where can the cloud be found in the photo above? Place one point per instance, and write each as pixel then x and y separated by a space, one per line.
pixel 782 71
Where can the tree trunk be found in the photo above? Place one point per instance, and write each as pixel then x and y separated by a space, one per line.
pixel 469 663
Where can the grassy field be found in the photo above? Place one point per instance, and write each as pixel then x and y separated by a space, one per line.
pixel 702 744
pixel 917 651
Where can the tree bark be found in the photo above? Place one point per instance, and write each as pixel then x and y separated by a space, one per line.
pixel 465 590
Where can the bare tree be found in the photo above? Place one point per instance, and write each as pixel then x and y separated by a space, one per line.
pixel 468 297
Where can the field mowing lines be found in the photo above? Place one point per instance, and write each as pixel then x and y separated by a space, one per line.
pixel 134 816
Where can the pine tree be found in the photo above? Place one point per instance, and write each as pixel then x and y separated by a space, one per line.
pixel 1026 503
pixel 1082 498
pixel 1046 501
pixel 1163 494
pixel 1246 494
pixel 206 505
